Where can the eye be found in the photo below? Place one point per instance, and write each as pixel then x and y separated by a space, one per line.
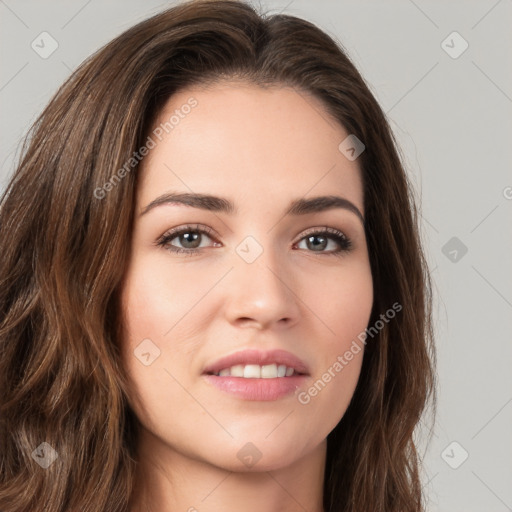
pixel 190 238
pixel 318 239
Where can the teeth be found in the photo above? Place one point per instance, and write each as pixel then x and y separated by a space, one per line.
pixel 269 371
pixel 252 371
pixel 255 371
pixel 237 371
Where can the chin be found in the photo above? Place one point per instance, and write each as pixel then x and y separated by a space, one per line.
pixel 256 454
pixel 265 463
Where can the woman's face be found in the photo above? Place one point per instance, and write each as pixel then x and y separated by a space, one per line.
pixel 260 280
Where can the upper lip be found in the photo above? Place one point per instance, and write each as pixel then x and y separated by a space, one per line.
pixel 258 357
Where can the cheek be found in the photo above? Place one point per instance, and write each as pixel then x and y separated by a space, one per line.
pixel 343 306
pixel 165 311
pixel 152 336
pixel 149 313
pixel 156 299
pixel 342 302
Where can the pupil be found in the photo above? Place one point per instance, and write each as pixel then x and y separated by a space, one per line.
pixel 186 236
pixel 322 245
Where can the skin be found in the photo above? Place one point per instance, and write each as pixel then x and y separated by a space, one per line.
pixel 261 148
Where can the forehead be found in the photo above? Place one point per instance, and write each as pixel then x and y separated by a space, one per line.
pixel 239 139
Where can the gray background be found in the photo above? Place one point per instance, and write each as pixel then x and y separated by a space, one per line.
pixel 452 118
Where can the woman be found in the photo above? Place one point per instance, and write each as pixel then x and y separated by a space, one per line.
pixel 214 295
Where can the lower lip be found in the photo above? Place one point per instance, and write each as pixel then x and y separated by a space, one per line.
pixel 257 389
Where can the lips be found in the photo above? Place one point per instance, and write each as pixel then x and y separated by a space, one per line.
pixel 257 357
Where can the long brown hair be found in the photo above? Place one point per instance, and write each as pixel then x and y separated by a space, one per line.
pixel 67 435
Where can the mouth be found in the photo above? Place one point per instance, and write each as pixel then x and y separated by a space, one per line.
pixel 256 375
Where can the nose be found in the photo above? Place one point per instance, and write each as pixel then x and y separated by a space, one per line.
pixel 262 294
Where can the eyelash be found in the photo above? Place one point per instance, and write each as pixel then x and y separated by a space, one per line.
pixel 340 238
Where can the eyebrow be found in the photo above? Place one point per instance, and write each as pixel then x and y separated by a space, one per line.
pixel 222 205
